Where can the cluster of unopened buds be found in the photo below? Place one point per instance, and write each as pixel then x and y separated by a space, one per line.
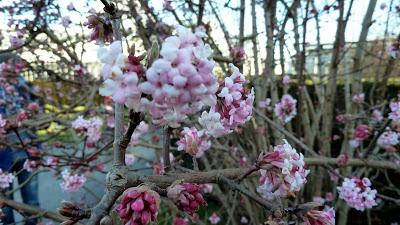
pixel 6 179
pixel 181 82
pixel 282 172
pixel 316 217
pixel 358 193
pixel 102 29
pixel 361 133
pixel 72 183
pixel 194 142
pixel 342 160
pixel 138 206
pixel 70 210
pixel 186 196
pixel 90 128
pixel 286 110
pixel 238 55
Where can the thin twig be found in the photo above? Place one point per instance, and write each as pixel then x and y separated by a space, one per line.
pixel 166 141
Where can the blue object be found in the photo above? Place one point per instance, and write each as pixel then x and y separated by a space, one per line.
pixel 11 105
pixel 12 158
pixel 29 193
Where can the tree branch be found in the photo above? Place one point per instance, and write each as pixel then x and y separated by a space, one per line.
pixel 32 210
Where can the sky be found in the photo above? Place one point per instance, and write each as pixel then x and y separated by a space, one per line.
pixel 231 18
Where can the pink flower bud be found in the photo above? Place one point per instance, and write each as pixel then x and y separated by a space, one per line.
pixel 342 160
pixel 139 205
pixel 145 219
pixel 362 132
pixel 181 221
pixel 186 197
pixel 33 106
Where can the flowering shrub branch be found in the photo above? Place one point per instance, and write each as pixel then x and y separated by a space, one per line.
pixel 178 89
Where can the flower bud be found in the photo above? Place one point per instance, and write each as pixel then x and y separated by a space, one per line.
pixel 186 196
pixel 139 205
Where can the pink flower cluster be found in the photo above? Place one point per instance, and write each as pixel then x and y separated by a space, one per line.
pixel 286 110
pixel 206 188
pixel 52 162
pixel 6 179
pixel 214 218
pixel 265 103
pixel 71 183
pixel 194 142
pixel 234 107
pixel 388 139
pixel 181 82
pixel 395 111
pixel 79 70
pixel 342 160
pixel 21 117
pixel 141 129
pixel 30 165
pixel 138 206
pixel 102 29
pixel 238 55
pixel 211 122
pixel 358 193
pixel 33 106
pixel 377 115
pixel 362 132
pixel 119 83
pixel 341 118
pixel 286 80
pixel 91 128
pixel 358 98
pixel 186 196
pixel 316 217
pixel 287 174
pixel 129 159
